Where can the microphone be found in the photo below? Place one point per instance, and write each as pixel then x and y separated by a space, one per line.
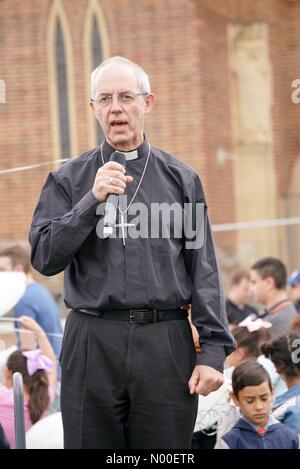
pixel 112 200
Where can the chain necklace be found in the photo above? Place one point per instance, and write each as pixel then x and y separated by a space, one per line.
pixel 123 225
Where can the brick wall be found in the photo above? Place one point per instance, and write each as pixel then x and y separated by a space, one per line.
pixel 283 18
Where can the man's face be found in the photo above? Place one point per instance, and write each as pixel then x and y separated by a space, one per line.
pixel 122 123
pixel 243 291
pixel 255 403
pixel 260 287
pixel 5 264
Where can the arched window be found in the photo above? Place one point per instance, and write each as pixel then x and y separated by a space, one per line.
pixel 95 51
pixel 61 85
pixel 62 88
pixel 97 54
pixel 97 58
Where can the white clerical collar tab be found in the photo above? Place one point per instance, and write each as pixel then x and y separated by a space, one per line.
pixel 130 155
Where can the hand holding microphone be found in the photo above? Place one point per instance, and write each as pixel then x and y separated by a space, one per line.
pixel 114 170
pixel 110 179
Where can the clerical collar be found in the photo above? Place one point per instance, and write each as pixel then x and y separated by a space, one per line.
pixel 138 154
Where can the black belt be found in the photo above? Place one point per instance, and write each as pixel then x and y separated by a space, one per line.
pixel 137 316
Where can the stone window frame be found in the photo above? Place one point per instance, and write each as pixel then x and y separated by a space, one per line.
pixel 94 18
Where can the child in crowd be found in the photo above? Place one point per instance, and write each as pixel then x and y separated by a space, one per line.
pixel 257 428
pixel 285 354
pixel 38 368
pixel 250 336
pixel 217 413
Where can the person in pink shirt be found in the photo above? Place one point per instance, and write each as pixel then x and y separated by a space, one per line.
pixel 38 368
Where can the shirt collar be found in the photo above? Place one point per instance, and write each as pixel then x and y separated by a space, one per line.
pixel 142 151
pixel 271 421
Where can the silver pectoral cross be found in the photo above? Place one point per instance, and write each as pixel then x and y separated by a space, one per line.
pixel 123 225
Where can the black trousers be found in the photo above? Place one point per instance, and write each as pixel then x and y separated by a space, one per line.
pixel 126 385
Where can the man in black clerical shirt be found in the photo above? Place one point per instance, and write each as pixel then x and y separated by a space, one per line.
pixel 130 373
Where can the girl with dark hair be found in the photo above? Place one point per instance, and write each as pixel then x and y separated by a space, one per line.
pixel 284 353
pixel 38 369
pixel 250 337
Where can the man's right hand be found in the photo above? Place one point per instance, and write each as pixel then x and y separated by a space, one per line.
pixel 110 179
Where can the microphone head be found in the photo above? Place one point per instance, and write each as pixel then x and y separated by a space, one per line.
pixel 118 157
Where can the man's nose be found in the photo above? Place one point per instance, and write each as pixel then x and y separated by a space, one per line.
pixel 115 104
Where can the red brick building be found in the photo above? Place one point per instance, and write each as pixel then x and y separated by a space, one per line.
pixel 222 72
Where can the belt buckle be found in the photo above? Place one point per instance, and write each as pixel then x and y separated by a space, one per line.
pixel 138 317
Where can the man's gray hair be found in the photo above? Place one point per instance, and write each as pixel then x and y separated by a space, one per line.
pixel 141 76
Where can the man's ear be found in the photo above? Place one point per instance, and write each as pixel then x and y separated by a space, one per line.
pixel 271 283
pixel 92 106
pixel 150 100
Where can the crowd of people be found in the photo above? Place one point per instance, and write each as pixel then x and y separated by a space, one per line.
pixel 130 374
pixel 38 331
pixel 258 405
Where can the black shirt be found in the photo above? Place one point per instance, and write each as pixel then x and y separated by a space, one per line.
pixel 103 274
pixel 235 315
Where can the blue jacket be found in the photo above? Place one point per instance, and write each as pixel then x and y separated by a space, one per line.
pixel 38 303
pixel 244 436
pixel 287 408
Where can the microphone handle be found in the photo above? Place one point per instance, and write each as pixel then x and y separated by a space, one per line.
pixel 112 200
pixel 110 214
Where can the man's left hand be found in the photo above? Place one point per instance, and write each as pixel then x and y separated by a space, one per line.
pixel 205 380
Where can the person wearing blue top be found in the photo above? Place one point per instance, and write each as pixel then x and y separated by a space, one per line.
pixel 257 428
pixel 294 284
pixel 283 353
pixel 37 302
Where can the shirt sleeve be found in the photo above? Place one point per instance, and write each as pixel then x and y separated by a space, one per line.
pixel 208 302
pixel 58 228
pixel 291 417
pixel 23 309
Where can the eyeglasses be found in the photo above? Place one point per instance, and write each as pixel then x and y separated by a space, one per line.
pixel 123 98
